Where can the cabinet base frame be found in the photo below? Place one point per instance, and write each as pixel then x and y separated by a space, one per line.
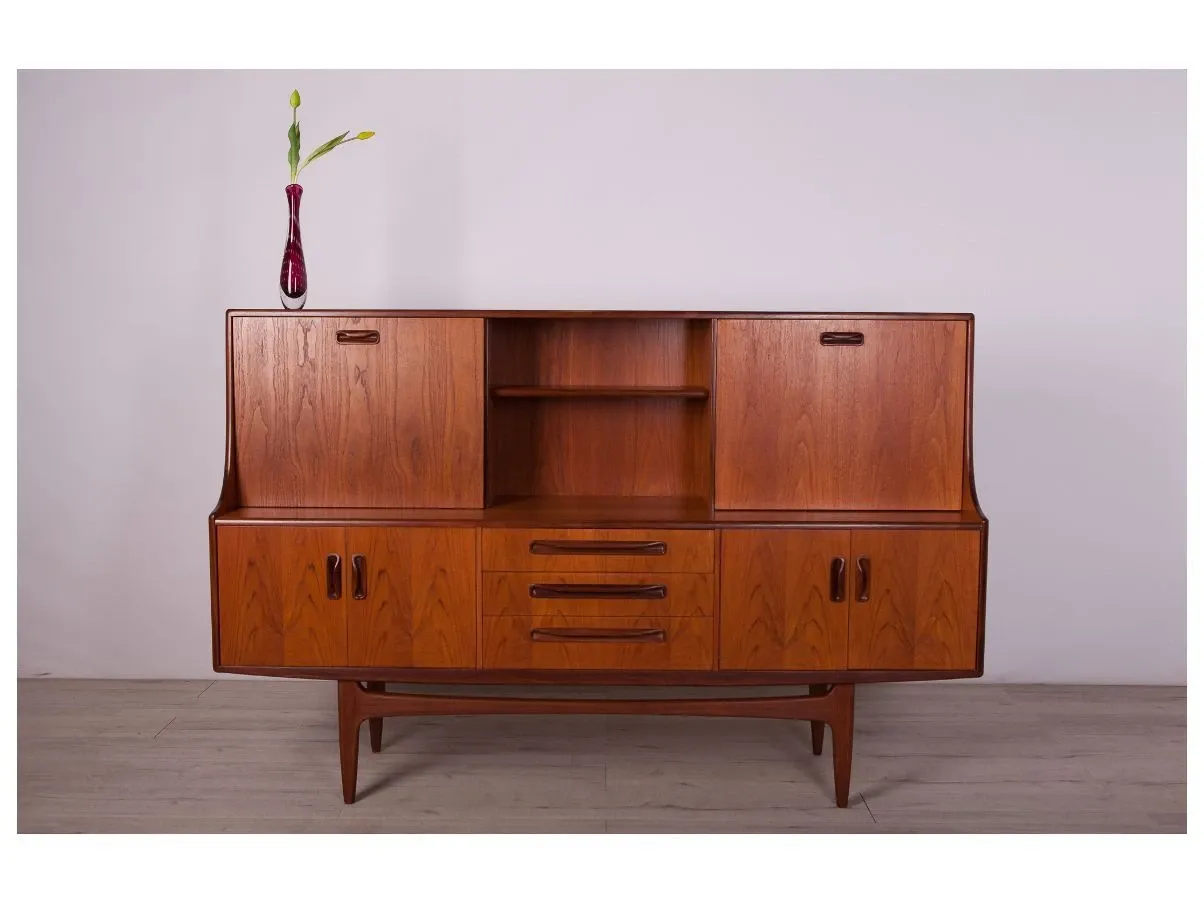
pixel 830 704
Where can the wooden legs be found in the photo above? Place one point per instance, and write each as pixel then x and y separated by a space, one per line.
pixel 825 704
pixel 817 727
pixel 376 725
pixel 842 741
pixel 349 736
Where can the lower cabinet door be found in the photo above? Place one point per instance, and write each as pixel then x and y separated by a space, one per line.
pixel 783 600
pixel 411 597
pixel 914 599
pixel 280 596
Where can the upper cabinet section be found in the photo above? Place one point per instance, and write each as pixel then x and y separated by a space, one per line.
pixel 840 414
pixel 358 411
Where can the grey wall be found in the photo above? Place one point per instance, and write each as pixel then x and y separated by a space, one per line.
pixel 1049 204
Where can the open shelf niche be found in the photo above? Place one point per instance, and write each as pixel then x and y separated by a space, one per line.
pixel 599 407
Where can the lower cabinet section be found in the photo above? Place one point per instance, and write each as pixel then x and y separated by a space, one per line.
pixel 802 599
pixel 329 596
pixel 415 606
pixel 274 588
pixel 583 643
pixel 915 599
pixel 783 607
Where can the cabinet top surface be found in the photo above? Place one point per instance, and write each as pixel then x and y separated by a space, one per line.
pixel 603 314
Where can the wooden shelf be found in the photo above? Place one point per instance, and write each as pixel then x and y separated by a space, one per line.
pixel 688 392
pixel 601 511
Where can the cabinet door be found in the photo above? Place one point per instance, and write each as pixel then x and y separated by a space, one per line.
pixel 914 599
pixel 801 423
pixel 359 412
pixel 274 596
pixel 781 605
pixel 412 597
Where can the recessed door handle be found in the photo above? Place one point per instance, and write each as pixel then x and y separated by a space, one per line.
pixel 334 577
pixel 837 580
pixel 357 337
pixel 863 579
pixel 598 591
pixel 359 577
pixel 595 547
pixel 596 635
pixel 842 338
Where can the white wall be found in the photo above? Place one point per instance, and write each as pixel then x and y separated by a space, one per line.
pixel 1049 204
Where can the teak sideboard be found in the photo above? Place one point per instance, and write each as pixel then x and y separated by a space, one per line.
pixel 604 497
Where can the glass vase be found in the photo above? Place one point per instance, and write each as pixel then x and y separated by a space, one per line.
pixel 294 287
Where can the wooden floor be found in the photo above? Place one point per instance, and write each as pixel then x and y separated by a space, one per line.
pixel 229 755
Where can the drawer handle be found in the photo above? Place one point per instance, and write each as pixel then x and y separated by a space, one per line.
pixel 842 338
pixel 598 591
pixel 863 580
pixel 359 577
pixel 836 590
pixel 357 337
pixel 595 547
pixel 334 577
pixel 596 635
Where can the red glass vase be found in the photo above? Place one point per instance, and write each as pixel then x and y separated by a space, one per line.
pixel 293 285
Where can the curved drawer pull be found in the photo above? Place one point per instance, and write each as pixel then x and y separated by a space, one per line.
pixel 334 577
pixel 597 635
pixel 836 590
pixel 598 591
pixel 595 547
pixel 842 338
pixel 863 579
pixel 357 337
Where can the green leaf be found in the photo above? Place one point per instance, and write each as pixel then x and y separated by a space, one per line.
pixel 326 148
pixel 294 148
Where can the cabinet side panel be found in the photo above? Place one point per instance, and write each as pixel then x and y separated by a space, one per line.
pixel 922 600
pixel 775 600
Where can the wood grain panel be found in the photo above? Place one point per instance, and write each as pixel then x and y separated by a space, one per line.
pixel 685 551
pixel 648 446
pixel 272 603
pixel 686 595
pixel 804 425
pixel 923 607
pixel 688 644
pixel 617 351
pixel 775 606
pixel 420 606
pixel 399 423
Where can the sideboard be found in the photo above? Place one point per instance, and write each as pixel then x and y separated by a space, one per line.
pixel 604 497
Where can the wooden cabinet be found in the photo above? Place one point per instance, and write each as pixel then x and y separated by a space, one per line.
pixel 822 600
pixel 275 589
pixel 840 414
pixel 696 499
pixel 358 597
pixel 412 597
pixel 784 600
pixel 358 411
pixel 915 602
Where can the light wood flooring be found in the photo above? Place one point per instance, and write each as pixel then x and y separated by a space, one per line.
pixel 259 755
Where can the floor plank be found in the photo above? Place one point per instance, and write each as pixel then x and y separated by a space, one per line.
pixel 262 756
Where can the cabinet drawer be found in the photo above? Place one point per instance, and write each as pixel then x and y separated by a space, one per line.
pixel 598 595
pixel 576 643
pixel 598 551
